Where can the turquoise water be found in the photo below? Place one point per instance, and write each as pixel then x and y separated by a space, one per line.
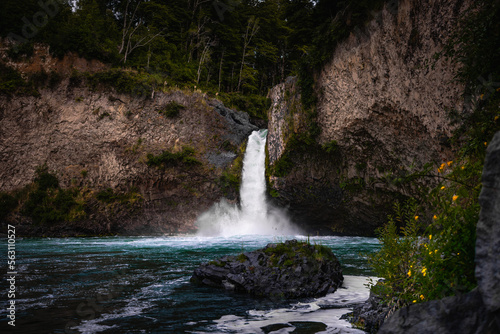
pixel 141 285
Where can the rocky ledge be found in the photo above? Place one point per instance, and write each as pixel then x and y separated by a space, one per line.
pixel 285 270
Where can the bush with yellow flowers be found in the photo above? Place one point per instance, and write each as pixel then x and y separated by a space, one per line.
pixel 428 253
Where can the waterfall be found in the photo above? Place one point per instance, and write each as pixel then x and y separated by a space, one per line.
pixel 254 215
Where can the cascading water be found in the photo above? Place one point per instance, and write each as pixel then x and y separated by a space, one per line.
pixel 255 215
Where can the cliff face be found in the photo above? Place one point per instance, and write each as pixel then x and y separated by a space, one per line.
pixel 382 87
pixel 97 139
pixel 382 109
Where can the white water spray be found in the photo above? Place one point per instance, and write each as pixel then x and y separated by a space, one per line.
pixel 255 216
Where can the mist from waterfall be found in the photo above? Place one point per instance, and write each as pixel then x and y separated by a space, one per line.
pixel 254 215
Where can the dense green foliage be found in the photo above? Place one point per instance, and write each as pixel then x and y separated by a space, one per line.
pixel 291 249
pixel 168 159
pixel 7 205
pixel 428 247
pixel 47 203
pixel 171 110
pixel 11 82
pixel 230 180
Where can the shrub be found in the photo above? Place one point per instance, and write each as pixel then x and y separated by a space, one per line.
pixel 254 105
pixel 45 180
pixel 127 82
pixel 331 147
pixel 11 81
pixel 433 258
pixel 230 180
pixel 7 205
pixel 168 159
pixel 172 109
pixel 46 203
pixel 109 196
pixel 16 52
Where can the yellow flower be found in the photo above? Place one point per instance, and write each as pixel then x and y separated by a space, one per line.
pixel 455 197
pixel 496 117
pixel 443 188
pixel 485 143
pixel 481 96
pixel 463 167
pixel 458 253
pixel 414 301
pixel 435 251
pixel 422 297
pixel 409 272
pixel 416 217
pixel 441 168
pixel 435 217
pixel 449 163
pixel 430 236
pixel 430 253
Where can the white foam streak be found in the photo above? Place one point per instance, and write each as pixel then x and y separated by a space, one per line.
pixel 255 216
pixel 353 291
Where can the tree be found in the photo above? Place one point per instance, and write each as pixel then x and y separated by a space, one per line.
pixel 135 33
pixel 251 30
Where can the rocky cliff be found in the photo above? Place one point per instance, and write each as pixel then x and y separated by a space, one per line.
pixel 103 144
pixel 382 115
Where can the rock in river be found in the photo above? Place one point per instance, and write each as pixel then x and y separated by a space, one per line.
pixel 285 270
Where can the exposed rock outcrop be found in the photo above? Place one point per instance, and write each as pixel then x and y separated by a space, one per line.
pixel 488 230
pixel 478 311
pixel 94 139
pixel 464 314
pixel 369 315
pixel 382 114
pixel 289 270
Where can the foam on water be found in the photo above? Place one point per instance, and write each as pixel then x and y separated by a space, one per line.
pixel 314 314
pixel 254 215
pixel 316 311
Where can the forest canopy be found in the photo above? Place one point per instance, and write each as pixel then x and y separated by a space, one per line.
pixel 244 46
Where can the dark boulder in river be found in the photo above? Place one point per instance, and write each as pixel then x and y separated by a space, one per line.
pixel 285 270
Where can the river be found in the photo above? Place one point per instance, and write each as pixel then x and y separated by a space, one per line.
pixel 141 284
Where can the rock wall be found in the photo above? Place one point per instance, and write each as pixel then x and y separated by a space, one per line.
pixel 382 107
pixel 99 139
pixel 382 87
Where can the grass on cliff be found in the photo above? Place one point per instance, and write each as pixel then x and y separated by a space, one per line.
pixel 168 159
pixel 171 109
pixel 11 82
pixel 230 180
